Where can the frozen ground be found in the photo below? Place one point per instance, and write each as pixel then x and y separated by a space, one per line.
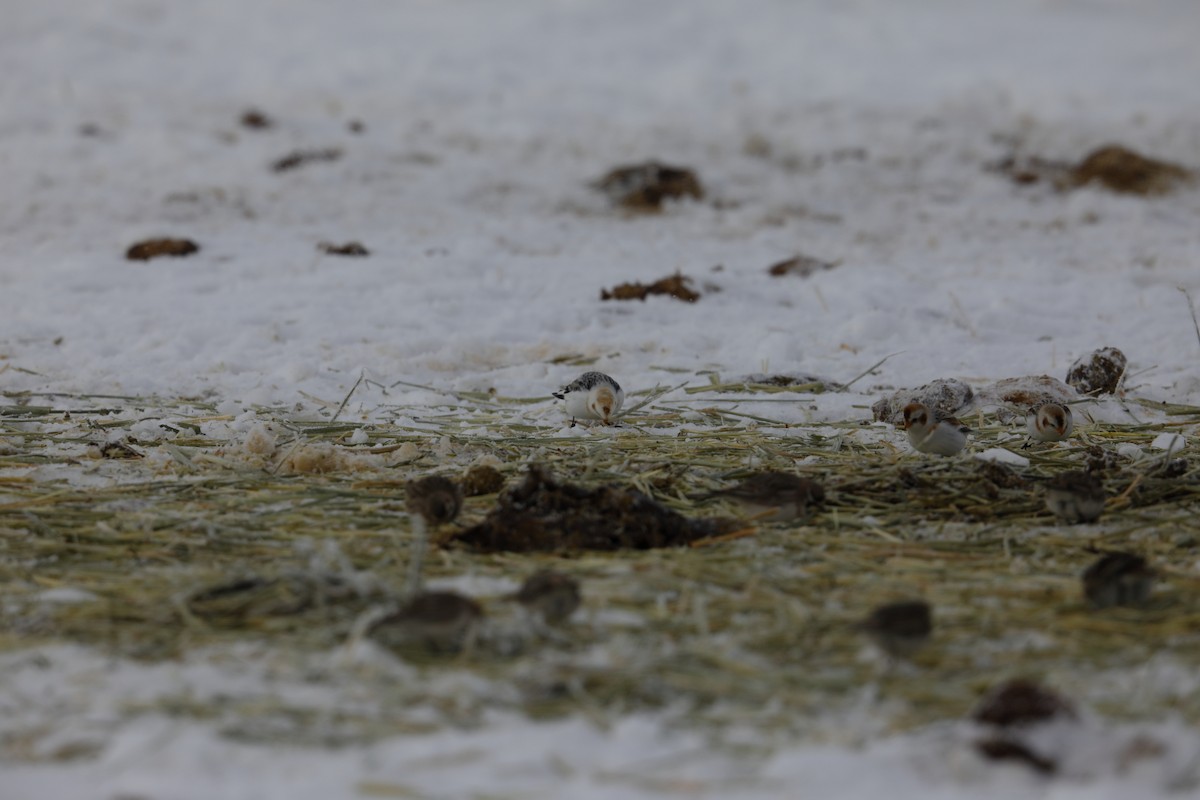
pixel 857 132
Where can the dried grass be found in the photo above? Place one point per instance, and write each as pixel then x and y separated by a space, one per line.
pixel 208 541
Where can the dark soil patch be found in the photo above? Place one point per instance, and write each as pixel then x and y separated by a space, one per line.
pixel 644 187
pixel 1114 167
pixel 1120 169
pixel 256 120
pixel 353 249
pixel 542 515
pixel 801 266
pixel 1099 372
pixel 301 158
pixel 676 286
pixel 154 248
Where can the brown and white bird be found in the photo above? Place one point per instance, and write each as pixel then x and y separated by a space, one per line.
pixel 593 395
pixel 439 621
pixel 929 432
pixel 774 496
pixel 900 628
pixel 1050 423
pixel 1075 496
pixel 1118 579
pixel 550 595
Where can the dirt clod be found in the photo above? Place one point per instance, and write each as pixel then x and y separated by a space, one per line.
pixel 801 266
pixel 300 158
pixel 1120 169
pixel 1021 702
pixel 676 286
pixel 1099 372
pixel 644 187
pixel 354 249
pixel 154 248
pixel 482 479
pixel 540 514
pixel 256 120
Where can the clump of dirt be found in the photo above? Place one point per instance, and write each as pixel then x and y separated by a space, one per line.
pixel 300 158
pixel 676 286
pixel 256 120
pixel 1021 702
pixel 154 248
pixel 353 249
pixel 945 396
pixel 1114 167
pixel 1001 748
pixel 801 266
pixel 1120 169
pixel 644 187
pixel 1011 709
pixel 542 515
pixel 1099 372
pixel 482 479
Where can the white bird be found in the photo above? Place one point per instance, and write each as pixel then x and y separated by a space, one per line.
pixel 1050 423
pixel 929 433
pixel 593 395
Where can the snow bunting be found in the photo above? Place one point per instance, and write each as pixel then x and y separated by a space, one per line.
pixel 1050 423
pixel 435 499
pixel 1075 496
pixel 900 628
pixel 440 621
pixel 1117 579
pixel 778 496
pixel 593 395
pixel 550 595
pixel 930 433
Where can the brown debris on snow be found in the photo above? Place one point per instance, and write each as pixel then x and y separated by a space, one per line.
pixel 1021 702
pixel 1001 748
pixel 1099 372
pixel 300 158
pixel 154 248
pixel 1113 167
pixel 354 249
pixel 541 514
pixel 1120 169
pixel 644 187
pixel 482 479
pixel 801 266
pixel 673 285
pixel 256 120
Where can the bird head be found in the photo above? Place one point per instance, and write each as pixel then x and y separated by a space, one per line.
pixel 916 414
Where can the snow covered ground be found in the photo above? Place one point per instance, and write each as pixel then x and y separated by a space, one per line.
pixel 857 132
